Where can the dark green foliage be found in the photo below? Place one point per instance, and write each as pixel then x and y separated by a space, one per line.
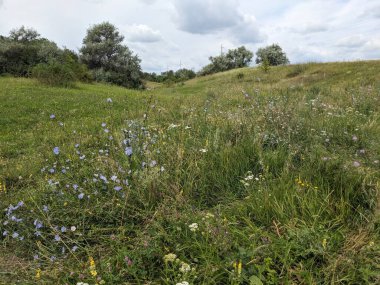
pixel 108 59
pixel 273 54
pixel 235 58
pixel 55 74
pixel 170 76
pixel 24 49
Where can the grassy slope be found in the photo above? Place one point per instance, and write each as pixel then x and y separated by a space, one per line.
pixel 317 123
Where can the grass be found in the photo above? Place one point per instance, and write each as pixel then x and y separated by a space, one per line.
pixel 194 182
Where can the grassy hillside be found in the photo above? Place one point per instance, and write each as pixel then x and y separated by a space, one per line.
pixel 242 177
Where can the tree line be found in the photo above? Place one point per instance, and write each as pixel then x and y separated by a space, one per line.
pixel 104 58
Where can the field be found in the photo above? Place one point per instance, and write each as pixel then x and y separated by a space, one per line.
pixel 243 177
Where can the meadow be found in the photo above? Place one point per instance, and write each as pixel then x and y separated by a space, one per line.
pixel 242 177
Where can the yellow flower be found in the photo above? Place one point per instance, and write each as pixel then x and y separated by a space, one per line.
pixel 240 265
pixel 170 257
pixel 92 266
pixel 324 243
pixel 38 273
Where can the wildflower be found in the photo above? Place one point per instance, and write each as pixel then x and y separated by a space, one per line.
pixel 209 216
pixel 56 150
pixel 184 267
pixel 193 227
pixel 117 188
pixel 153 163
pixel 203 150
pixel 38 273
pixel 371 244
pixel 104 124
pixel 92 266
pixel 63 229
pixel 128 151
pixel 170 257
pixel 57 238
pixel 128 261
pixel 113 178
pixel 45 208
pixel 182 283
pixel 82 283
pixel 109 100
pixel 80 196
pixel 74 248
pixel 354 138
pixel 77 145
pixel 37 224
pixel 324 243
pixel 15 235
pixel 73 228
pixel 52 116
pixel 5 233
pixel 356 163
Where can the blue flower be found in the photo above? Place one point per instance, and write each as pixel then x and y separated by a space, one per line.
pixel 118 188
pixel 80 196
pixel 63 229
pixel 15 235
pixel 52 116
pixel 74 248
pixel 56 150
pixel 57 238
pixel 128 151
pixel 45 208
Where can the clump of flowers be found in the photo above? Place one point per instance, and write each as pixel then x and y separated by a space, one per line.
pixel 171 257
pixel 193 227
pixel 92 267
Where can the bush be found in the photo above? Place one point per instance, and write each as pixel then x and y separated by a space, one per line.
pixel 54 74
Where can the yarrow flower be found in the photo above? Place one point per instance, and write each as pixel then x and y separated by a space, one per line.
pixel 193 227
pixel 171 257
pixel 184 267
pixel 183 283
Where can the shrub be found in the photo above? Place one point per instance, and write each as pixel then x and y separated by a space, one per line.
pixel 54 74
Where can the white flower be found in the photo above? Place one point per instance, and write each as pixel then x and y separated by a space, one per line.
pixel 184 267
pixel 170 257
pixel 73 228
pixel 183 283
pixel 82 283
pixel 172 126
pixel 209 216
pixel 109 100
pixel 203 150
pixel 193 227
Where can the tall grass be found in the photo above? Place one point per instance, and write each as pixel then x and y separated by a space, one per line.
pixel 195 183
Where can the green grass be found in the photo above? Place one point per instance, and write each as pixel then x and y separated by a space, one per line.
pixel 283 186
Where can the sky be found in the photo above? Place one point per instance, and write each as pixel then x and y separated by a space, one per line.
pixel 169 34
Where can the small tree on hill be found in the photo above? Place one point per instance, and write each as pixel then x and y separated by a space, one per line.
pixel 273 54
pixel 110 60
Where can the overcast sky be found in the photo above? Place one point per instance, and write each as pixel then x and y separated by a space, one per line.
pixel 165 33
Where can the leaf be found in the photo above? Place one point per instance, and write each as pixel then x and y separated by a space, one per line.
pixel 254 280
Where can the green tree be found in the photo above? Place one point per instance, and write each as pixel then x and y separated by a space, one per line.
pixel 235 58
pixel 273 54
pixel 110 60
pixel 23 49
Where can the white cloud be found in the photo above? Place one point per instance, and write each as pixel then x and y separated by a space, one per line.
pixel 142 34
pixel 353 41
pixel 206 16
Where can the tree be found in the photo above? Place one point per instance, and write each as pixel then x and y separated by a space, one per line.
pixel 240 57
pixel 23 49
pixel 235 58
pixel 110 60
pixel 273 54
